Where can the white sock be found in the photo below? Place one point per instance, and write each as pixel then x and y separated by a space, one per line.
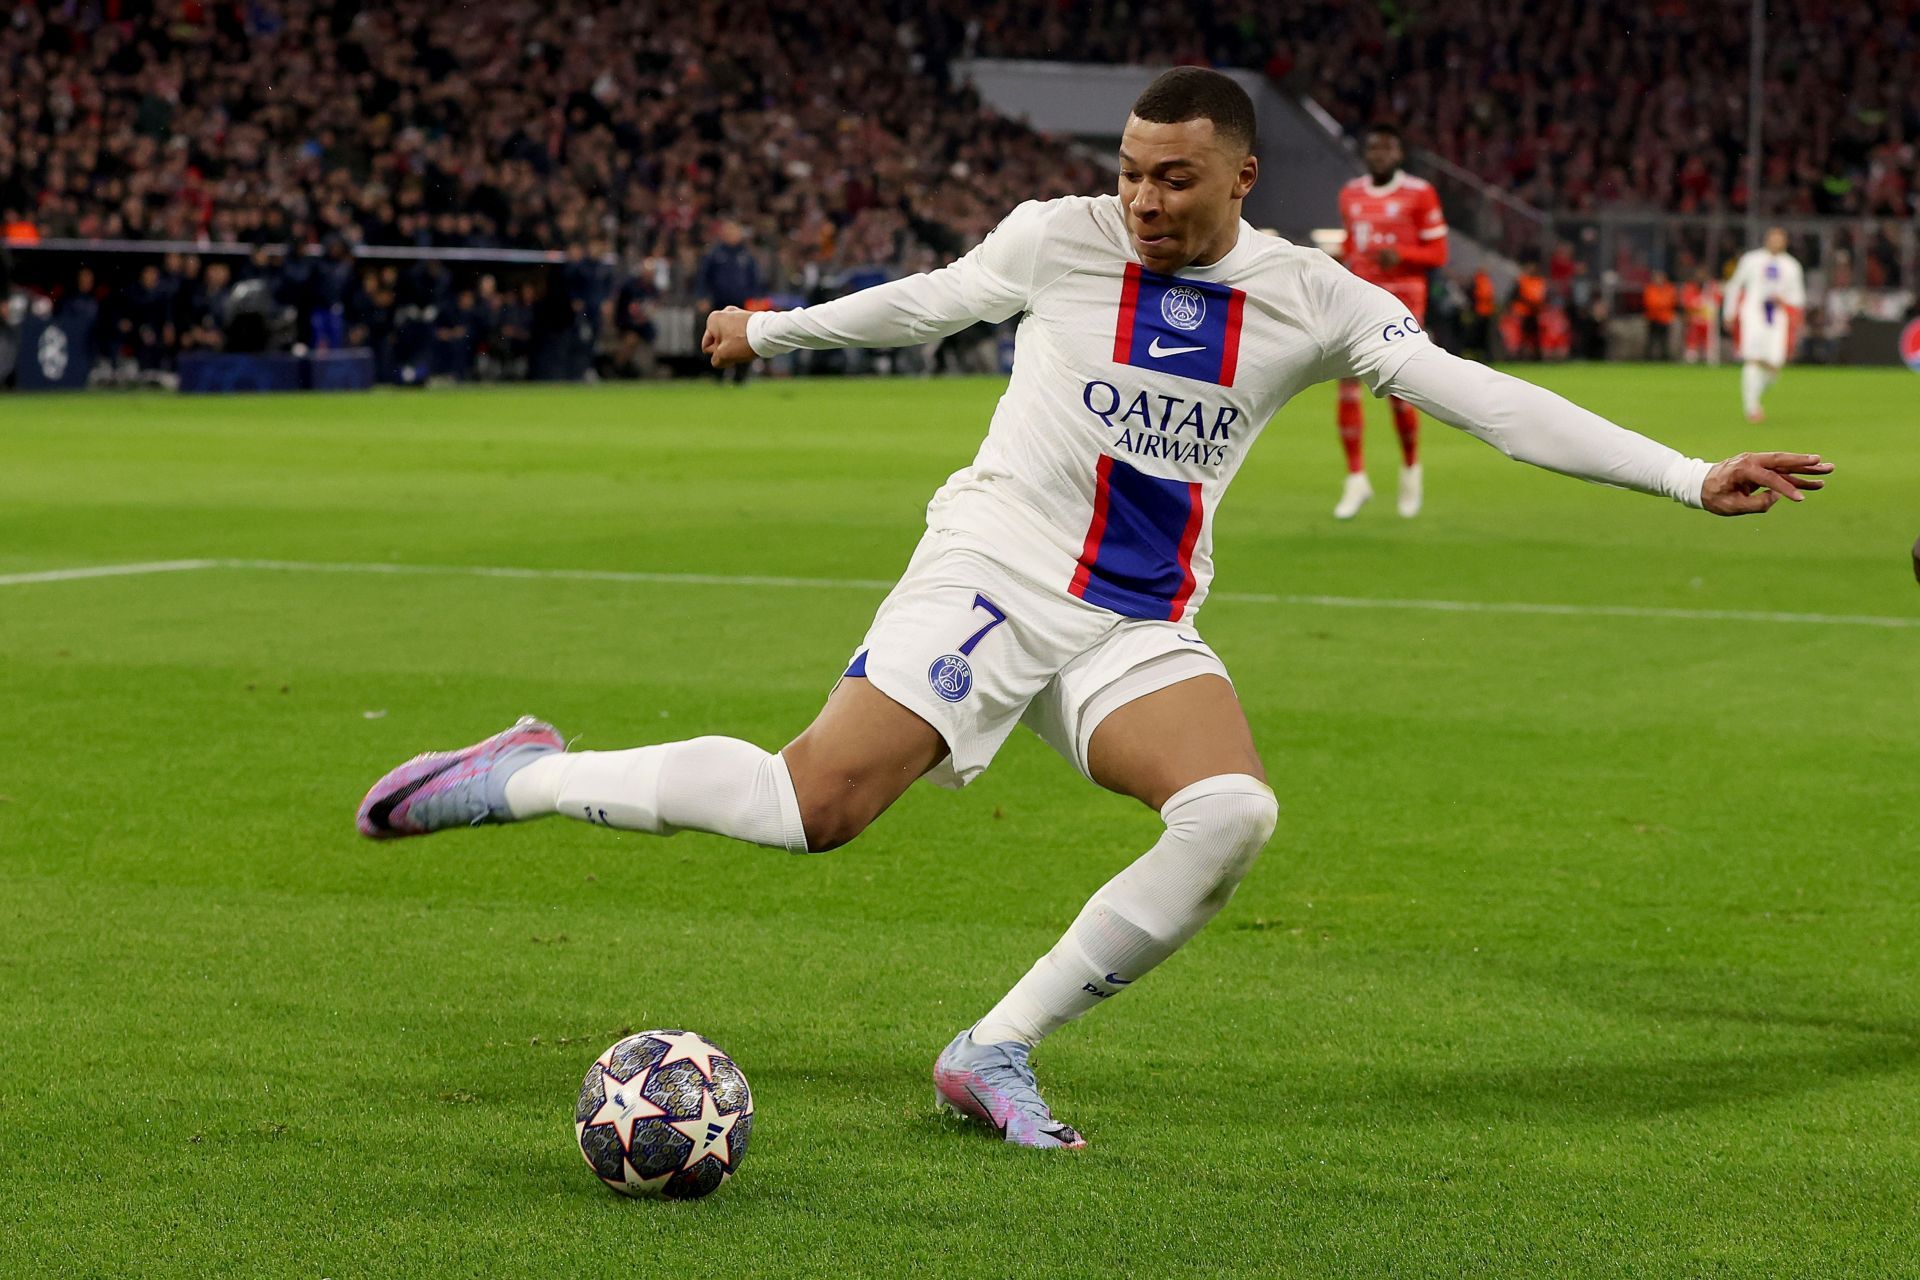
pixel 1753 381
pixel 719 785
pixel 1215 828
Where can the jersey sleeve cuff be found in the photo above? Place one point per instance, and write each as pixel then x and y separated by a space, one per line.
pixel 1686 480
pixel 764 343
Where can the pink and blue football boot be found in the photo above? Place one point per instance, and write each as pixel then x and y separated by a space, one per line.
pixel 993 1084
pixel 466 788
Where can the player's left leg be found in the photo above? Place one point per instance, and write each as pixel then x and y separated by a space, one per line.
pixel 1406 424
pixel 1184 750
pixel 1356 491
pixel 1406 419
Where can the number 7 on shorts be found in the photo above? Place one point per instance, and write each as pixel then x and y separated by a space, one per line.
pixel 981 602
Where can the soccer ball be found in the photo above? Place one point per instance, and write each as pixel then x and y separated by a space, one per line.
pixel 664 1113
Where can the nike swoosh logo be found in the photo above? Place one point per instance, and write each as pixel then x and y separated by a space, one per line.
pixel 383 808
pixel 1159 352
pixel 1193 640
pixel 986 1112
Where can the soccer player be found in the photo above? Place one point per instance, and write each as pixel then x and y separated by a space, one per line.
pixel 1699 302
pixel 1062 573
pixel 1765 302
pixel 1396 234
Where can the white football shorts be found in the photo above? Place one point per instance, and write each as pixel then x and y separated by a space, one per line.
pixel 1764 342
pixel 973 649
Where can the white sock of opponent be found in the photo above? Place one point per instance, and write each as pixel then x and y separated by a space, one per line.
pixel 1215 829
pixel 720 785
pixel 1753 383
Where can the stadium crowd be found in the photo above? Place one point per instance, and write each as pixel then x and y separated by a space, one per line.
pixel 711 155
pixel 1617 104
pixel 615 134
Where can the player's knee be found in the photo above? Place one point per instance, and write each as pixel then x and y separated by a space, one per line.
pixel 1227 820
pixel 1349 391
pixel 832 818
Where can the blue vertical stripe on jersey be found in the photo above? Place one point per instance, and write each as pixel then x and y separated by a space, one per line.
pixel 1170 324
pixel 1139 550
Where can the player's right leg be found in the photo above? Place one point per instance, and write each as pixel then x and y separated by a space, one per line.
pixel 1352 420
pixel 1753 383
pixel 856 758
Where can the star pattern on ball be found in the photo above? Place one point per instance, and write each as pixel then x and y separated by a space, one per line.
pixel 626 1104
pixel 685 1046
pixel 635 1185
pixel 708 1131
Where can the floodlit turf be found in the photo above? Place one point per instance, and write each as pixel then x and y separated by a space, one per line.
pixel 1587 944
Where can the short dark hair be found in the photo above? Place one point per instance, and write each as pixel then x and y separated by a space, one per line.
pixel 1388 128
pixel 1197 93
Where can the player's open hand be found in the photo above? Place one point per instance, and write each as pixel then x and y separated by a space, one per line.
pixel 1749 483
pixel 725 341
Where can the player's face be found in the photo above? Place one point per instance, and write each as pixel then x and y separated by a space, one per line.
pixel 1181 186
pixel 1383 156
pixel 1776 241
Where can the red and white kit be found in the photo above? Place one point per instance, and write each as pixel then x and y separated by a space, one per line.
pixel 1402 214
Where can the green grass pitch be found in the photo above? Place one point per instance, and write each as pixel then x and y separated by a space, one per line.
pixel 1586 946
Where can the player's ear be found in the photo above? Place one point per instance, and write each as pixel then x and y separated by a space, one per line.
pixel 1248 175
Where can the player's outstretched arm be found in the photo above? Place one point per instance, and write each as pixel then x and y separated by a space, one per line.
pixel 1532 424
pixel 991 283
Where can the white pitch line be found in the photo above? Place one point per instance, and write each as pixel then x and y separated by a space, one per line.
pixel 104 571
pixel 1312 601
pixel 1578 610
pixel 880 584
pixel 563 575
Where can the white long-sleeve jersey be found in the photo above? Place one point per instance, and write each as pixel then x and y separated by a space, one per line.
pixel 1135 396
pixel 1766 289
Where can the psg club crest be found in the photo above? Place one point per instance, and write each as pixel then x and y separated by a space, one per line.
pixel 1184 308
pixel 1180 326
pixel 1910 345
pixel 664 1113
pixel 951 677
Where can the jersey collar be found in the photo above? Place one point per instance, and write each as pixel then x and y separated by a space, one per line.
pixel 1388 187
pixel 1229 261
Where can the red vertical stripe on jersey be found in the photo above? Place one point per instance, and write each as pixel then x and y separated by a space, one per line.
pixel 1195 518
pixel 1123 332
pixel 1230 346
pixel 1102 484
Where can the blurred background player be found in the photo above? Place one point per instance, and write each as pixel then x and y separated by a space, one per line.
pixel 1766 300
pixel 1700 301
pixel 1396 234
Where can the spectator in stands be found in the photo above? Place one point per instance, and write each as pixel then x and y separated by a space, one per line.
pixel 79 307
pixel 453 338
pixel 200 309
pixel 1526 305
pixel 1835 304
pixel 143 324
pixel 633 325
pixel 486 329
pixel 729 275
pixel 331 285
pixel 1659 302
pixel 1480 326
pixel 516 330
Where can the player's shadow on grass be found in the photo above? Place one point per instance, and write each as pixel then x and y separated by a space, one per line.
pixel 1622 1076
